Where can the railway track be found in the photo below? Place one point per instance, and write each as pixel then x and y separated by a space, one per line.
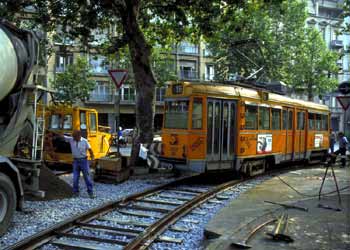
pixel 160 208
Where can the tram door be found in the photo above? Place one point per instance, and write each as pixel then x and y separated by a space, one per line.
pixel 300 143
pixel 220 133
pixel 288 128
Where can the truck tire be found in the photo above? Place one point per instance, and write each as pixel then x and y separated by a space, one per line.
pixel 7 202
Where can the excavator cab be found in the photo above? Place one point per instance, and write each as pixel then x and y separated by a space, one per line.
pixel 64 120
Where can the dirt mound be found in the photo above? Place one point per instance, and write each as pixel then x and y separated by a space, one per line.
pixel 54 187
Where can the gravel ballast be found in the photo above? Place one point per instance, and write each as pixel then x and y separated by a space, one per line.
pixel 42 214
pixel 39 215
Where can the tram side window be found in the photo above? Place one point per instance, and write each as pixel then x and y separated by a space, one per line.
pixel 311 121
pixel 251 117
pixel 232 129
pixel 210 128
pixel 176 114
pixel 276 119
pixel 264 118
pixel 301 121
pixel 197 113
pixel 284 119
pixel 318 122
pixel 324 123
pixel 290 120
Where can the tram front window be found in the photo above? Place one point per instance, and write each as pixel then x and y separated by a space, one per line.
pixel 176 114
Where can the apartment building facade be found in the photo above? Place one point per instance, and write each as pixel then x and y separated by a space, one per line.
pixel 326 16
pixel 190 62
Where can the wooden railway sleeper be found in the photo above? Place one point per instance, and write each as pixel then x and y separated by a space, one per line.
pixel 91 238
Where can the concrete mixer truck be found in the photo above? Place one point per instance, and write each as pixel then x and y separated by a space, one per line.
pixel 21 126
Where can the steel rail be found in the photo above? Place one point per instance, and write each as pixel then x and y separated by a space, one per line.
pixel 46 235
pixel 145 239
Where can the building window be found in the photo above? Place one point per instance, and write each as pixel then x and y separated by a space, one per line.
pixel 128 94
pixel 188 70
pixel 99 64
pixel 209 72
pixel 160 92
pixel 207 52
pixel 189 48
pixel 323 32
pixel 62 61
pixel 103 92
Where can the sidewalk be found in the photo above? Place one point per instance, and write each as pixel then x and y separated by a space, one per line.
pixel 318 228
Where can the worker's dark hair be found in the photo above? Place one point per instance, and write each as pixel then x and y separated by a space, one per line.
pixel 76 132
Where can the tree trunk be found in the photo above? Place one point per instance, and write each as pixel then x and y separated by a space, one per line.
pixel 145 82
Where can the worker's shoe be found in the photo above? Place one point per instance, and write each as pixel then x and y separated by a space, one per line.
pixel 92 195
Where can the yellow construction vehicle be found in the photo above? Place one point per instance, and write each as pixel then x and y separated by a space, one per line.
pixel 63 119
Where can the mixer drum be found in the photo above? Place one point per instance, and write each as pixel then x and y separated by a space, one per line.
pixel 14 60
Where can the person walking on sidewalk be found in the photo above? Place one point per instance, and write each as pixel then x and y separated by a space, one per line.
pixel 343 142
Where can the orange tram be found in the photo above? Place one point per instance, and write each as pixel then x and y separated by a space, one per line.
pixel 211 127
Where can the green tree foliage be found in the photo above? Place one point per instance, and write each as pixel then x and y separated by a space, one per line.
pixel 286 50
pixel 137 24
pixel 75 83
pixel 314 65
pixel 346 14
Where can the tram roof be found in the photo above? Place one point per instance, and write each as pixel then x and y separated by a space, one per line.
pixel 229 91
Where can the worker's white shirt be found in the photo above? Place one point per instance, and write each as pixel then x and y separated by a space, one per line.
pixel 79 148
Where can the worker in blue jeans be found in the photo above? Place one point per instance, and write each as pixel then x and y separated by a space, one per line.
pixel 79 147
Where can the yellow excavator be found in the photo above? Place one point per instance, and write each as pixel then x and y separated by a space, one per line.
pixel 63 119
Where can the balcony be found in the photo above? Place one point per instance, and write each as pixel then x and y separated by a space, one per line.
pixel 101 98
pixel 188 75
pixel 60 69
pixel 337 110
pixel 188 48
pixel 336 44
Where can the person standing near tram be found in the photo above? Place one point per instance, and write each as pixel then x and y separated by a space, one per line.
pixel 343 142
pixel 79 147
pixel 332 140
